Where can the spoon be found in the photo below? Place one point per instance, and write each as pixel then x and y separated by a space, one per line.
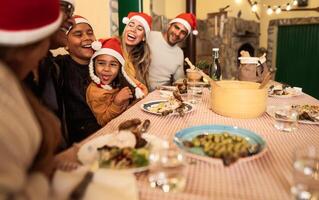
pixel 212 81
pixel 265 80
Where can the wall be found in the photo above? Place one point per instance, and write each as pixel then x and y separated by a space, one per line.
pixel 97 12
pixel 292 14
pixel 207 6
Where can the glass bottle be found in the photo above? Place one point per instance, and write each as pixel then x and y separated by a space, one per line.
pixel 216 71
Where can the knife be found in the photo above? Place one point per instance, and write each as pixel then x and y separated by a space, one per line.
pixel 79 191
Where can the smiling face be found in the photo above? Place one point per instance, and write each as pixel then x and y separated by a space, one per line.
pixel 176 33
pixel 106 68
pixel 79 43
pixel 133 33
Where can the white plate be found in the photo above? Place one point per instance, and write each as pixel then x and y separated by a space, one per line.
pixel 292 92
pixel 271 110
pixel 88 153
pixel 146 107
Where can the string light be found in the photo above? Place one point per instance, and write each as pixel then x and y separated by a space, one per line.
pixel 278 10
pixel 269 10
pixel 254 7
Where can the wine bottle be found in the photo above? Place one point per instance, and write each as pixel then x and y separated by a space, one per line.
pixel 217 74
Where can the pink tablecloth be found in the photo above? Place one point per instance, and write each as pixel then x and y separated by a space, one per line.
pixel 268 176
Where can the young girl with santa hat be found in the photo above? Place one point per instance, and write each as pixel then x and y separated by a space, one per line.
pixel 111 89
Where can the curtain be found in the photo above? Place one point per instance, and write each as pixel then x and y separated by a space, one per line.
pixel 126 6
pixel 297 59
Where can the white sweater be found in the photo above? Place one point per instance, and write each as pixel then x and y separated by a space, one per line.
pixel 20 139
pixel 166 61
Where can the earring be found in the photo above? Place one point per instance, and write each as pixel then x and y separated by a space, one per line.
pixel 66 48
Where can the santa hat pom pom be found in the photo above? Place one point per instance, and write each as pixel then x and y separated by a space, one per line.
pixel 96 45
pixel 195 32
pixel 125 20
pixel 139 93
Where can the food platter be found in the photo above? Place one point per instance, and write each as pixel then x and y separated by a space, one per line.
pixel 280 91
pixel 156 107
pixel 88 153
pixel 275 110
pixel 189 134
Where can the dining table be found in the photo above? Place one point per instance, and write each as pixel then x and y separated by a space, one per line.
pixel 267 175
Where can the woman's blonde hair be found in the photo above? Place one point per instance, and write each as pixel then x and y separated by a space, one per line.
pixel 140 56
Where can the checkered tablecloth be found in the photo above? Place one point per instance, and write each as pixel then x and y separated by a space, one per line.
pixel 266 176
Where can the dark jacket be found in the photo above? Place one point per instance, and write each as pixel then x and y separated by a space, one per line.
pixel 80 119
pixel 48 90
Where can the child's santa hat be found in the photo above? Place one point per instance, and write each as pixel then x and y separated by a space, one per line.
pixel 78 20
pixel 143 18
pixel 25 22
pixel 188 20
pixel 112 47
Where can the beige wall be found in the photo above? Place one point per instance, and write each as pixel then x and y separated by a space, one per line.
pixel 292 14
pixel 97 12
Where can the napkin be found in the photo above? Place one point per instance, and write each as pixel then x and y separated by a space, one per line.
pixel 106 184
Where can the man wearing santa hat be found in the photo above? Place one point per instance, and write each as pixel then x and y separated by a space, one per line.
pixel 167 57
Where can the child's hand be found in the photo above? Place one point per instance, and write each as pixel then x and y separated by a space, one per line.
pixel 124 95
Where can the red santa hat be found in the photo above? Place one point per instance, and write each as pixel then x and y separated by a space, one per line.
pixel 78 20
pixel 143 18
pixel 188 20
pixel 112 47
pixel 25 22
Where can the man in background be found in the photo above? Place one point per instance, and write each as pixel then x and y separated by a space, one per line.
pixel 167 57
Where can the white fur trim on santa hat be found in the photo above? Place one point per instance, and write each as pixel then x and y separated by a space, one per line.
pixel 138 92
pixel 195 32
pixel 79 20
pixel 96 79
pixel 143 21
pixel 24 37
pixel 182 21
pixel 125 20
pixel 111 52
pixel 69 1
pixel 96 45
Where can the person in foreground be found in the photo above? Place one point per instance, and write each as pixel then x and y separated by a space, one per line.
pixel 135 48
pixel 106 95
pixel 45 81
pixel 75 75
pixel 167 57
pixel 29 132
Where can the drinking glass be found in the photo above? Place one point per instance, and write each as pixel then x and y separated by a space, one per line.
pixel 306 174
pixel 194 92
pixel 288 122
pixel 167 170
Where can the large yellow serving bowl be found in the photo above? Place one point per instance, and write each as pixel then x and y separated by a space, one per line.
pixel 238 99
